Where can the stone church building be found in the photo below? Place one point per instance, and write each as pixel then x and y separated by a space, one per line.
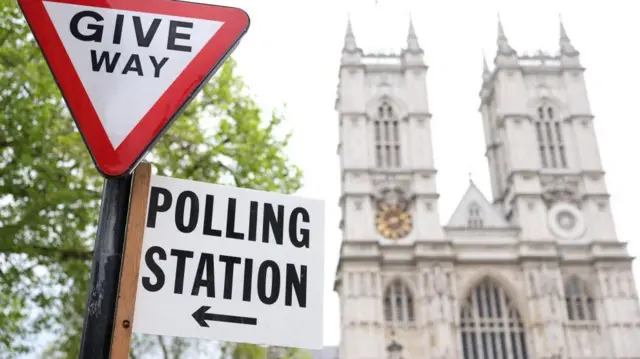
pixel 535 272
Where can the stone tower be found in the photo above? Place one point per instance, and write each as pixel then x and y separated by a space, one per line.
pixel 548 182
pixel 389 199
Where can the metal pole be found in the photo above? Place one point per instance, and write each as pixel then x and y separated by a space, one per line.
pixel 105 270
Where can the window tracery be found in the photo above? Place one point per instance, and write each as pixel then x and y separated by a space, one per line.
pixel 387 137
pixel 580 303
pixel 491 326
pixel 550 139
pixel 398 303
pixel 474 216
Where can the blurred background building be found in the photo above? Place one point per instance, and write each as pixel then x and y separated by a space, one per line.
pixel 536 271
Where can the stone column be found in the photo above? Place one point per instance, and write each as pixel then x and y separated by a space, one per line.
pixel 440 316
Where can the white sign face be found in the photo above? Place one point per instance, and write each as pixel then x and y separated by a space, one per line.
pixel 126 60
pixel 231 264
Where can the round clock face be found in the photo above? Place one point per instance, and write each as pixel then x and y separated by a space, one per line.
pixel 565 220
pixel 393 222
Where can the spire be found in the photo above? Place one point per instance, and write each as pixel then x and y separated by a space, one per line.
pixel 503 43
pixel 412 38
pixel 412 31
pixel 501 34
pixel 563 31
pixel 485 66
pixel 566 47
pixel 349 38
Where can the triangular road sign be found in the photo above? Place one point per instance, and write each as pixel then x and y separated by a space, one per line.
pixel 127 68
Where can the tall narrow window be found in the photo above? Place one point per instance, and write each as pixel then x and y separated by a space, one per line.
pixel 550 140
pixel 474 216
pixel 490 325
pixel 580 303
pixel 398 304
pixel 387 138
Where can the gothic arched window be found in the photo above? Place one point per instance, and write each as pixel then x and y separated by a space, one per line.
pixel 490 325
pixel 580 303
pixel 550 140
pixel 387 137
pixel 398 303
pixel 474 216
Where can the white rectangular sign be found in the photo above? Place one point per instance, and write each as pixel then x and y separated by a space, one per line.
pixel 231 264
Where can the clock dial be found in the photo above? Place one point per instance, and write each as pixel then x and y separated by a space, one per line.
pixel 393 222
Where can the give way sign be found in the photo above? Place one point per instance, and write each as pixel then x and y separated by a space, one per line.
pixel 127 68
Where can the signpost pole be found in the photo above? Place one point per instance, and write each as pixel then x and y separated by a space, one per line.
pixel 105 270
pixel 123 327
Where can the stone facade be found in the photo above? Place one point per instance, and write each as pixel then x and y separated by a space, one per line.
pixel 537 273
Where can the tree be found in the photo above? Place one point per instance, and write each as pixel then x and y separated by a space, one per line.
pixel 50 190
pixel 177 348
pixel 243 351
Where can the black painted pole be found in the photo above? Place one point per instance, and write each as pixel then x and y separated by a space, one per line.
pixel 105 271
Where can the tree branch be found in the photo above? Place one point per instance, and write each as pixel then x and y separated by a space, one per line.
pixel 163 347
pixel 236 180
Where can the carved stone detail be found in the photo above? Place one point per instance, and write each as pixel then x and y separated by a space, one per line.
pixel 389 183
pixel 559 189
pixel 392 193
pixel 549 285
pixel 428 205
pixel 437 281
pixel 439 286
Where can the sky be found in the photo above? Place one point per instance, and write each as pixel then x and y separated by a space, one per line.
pixel 291 54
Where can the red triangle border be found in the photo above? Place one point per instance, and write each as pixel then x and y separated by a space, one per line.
pixel 122 160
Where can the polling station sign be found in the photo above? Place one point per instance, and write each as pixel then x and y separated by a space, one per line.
pixel 227 263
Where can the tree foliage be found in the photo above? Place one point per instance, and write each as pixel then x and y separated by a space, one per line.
pixel 243 351
pixel 50 190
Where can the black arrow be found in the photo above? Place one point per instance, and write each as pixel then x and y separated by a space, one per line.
pixel 201 316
